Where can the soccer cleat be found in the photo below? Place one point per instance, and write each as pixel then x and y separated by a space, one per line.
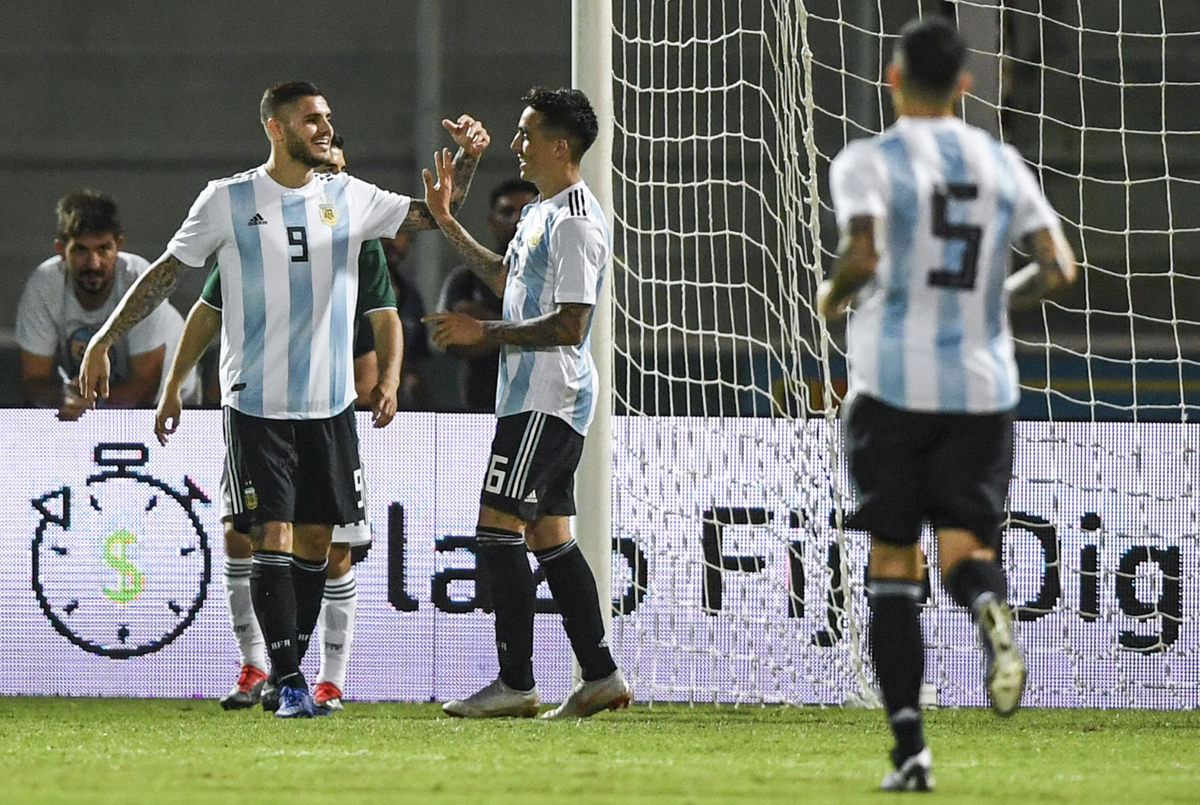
pixel 297 702
pixel 270 695
pixel 328 696
pixel 914 774
pixel 497 700
pixel 1004 665
pixel 610 693
pixel 246 691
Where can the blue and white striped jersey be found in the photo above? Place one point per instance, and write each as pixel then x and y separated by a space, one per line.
pixel 559 255
pixel 930 332
pixel 289 275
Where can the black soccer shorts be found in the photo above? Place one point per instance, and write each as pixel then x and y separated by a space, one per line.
pixel 293 470
pixel 531 472
pixel 908 467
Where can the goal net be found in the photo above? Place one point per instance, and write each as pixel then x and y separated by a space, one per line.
pixel 735 581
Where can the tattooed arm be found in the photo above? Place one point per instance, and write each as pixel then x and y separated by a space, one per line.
pixel 483 262
pixel 855 267
pixel 566 326
pixel 1053 267
pixel 472 139
pixel 140 300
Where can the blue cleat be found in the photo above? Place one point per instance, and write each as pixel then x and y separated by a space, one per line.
pixel 295 702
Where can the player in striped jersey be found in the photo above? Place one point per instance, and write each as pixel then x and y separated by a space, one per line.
pixel 285 239
pixel 350 541
pixel 550 279
pixel 929 212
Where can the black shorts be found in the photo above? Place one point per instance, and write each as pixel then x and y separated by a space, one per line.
pixel 531 472
pixel 293 470
pixel 911 466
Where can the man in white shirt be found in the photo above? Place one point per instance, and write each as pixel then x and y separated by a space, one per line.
pixel 69 296
pixel 287 241
pixel 549 278
pixel 929 211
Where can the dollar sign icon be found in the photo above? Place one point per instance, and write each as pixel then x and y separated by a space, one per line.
pixel 132 580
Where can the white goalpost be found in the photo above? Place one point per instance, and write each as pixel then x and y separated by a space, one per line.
pixel 733 578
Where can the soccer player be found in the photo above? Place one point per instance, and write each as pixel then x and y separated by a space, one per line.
pixel 286 240
pixel 928 212
pixel 549 278
pixel 353 540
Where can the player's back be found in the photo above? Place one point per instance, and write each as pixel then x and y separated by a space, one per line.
pixel 931 331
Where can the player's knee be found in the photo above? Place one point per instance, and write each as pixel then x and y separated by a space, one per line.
pixel 339 560
pixel 888 561
pixel 237 544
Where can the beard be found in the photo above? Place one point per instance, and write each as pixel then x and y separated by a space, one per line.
pixel 301 151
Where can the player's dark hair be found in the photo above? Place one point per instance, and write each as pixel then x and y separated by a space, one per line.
pixel 337 142
pixel 280 95
pixel 87 212
pixel 569 111
pixel 511 186
pixel 934 54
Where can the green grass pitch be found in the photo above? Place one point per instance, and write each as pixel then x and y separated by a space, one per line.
pixel 93 752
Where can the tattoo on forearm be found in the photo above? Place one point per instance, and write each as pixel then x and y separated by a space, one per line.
pixel 146 294
pixel 464 171
pixel 483 262
pixel 563 327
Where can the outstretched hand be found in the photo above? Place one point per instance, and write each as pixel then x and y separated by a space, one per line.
pixel 437 194
pixel 469 134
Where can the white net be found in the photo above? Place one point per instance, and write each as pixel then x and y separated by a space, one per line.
pixel 736 582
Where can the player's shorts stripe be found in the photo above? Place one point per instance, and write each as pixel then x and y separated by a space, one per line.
pixel 530 425
pixel 521 473
pixel 235 485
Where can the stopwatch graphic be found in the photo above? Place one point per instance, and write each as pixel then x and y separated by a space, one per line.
pixel 122 565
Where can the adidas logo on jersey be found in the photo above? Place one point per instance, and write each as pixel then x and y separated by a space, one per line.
pixel 531 497
pixel 257 220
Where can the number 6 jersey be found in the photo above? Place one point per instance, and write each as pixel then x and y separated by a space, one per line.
pixel 930 332
pixel 289 273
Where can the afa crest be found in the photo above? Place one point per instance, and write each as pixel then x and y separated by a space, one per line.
pixel 536 237
pixel 329 215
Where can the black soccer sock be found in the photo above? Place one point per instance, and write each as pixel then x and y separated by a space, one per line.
pixel 973 582
pixel 275 605
pixel 899 655
pixel 574 589
pixel 504 564
pixel 308 582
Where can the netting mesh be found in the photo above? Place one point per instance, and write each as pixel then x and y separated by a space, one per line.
pixel 739 583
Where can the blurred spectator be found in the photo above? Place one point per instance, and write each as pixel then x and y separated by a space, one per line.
pixel 463 292
pixel 414 392
pixel 69 296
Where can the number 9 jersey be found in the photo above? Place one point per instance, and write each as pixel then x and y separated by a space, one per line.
pixel 930 331
pixel 289 279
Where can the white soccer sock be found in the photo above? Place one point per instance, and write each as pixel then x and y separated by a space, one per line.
pixel 337 628
pixel 251 646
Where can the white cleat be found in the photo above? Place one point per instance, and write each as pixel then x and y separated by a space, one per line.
pixel 1005 667
pixel 914 774
pixel 610 693
pixel 497 700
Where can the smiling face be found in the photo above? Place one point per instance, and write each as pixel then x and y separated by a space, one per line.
pixel 304 131
pixel 538 151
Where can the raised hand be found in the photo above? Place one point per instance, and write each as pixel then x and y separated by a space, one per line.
pixel 469 134
pixel 437 194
